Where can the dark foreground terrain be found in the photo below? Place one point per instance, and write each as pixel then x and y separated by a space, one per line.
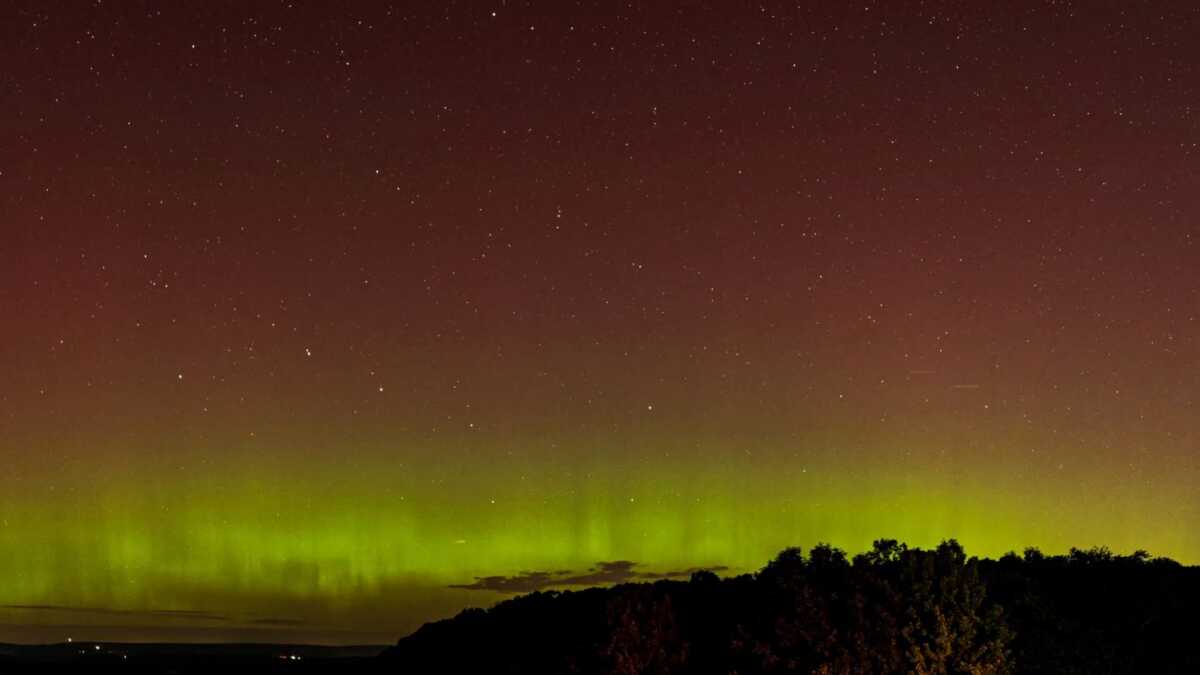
pixel 893 609
pixel 138 659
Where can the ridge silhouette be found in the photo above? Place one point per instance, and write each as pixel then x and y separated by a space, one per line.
pixel 892 609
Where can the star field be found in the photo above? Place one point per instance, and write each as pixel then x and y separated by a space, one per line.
pixel 317 314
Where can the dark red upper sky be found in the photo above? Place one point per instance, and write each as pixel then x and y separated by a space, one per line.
pixel 935 263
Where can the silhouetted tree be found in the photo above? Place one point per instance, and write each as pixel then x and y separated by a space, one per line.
pixel 643 634
pixel 892 609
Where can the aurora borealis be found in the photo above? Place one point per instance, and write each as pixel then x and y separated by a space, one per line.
pixel 311 313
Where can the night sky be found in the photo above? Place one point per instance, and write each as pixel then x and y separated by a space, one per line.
pixel 321 320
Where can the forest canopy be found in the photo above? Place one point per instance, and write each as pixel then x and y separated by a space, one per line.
pixel 891 609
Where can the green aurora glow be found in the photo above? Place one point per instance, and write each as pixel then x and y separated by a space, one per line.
pixel 313 311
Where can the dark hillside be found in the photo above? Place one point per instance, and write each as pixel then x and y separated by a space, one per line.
pixel 892 609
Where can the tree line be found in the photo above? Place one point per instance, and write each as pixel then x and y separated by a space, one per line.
pixel 892 609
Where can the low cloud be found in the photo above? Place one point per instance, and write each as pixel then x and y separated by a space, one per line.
pixel 603 574
pixel 152 615
pixel 277 621
pixel 192 614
